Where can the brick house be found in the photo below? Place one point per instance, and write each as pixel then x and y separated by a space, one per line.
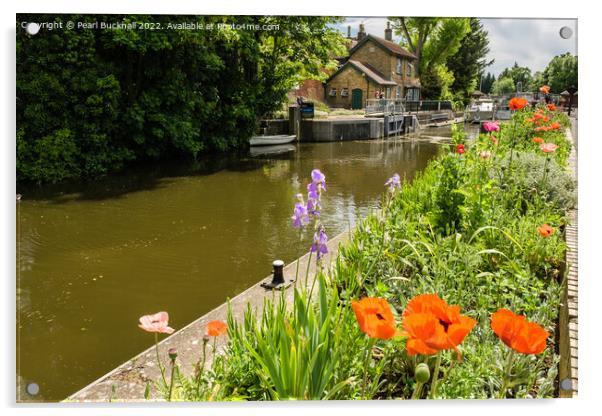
pixel 375 67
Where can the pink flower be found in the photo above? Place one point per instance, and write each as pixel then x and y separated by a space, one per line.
pixel 485 154
pixel 490 126
pixel 156 323
pixel 548 147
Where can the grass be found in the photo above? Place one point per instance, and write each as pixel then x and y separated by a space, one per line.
pixel 465 229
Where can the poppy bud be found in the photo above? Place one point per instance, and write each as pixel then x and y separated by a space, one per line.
pixel 173 353
pixel 205 339
pixel 422 373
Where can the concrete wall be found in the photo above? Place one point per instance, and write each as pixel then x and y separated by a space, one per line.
pixel 335 130
pixel 279 126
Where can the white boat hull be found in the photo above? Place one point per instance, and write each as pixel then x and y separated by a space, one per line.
pixel 272 140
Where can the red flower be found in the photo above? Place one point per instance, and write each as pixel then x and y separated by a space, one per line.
pixel 542 128
pixel 460 149
pixel 517 103
pixel 551 107
pixel 518 333
pixel 545 89
pixel 493 139
pixel 216 328
pixel 538 140
pixel 545 230
pixel 374 317
pixel 555 125
pixel 432 325
pixel 548 147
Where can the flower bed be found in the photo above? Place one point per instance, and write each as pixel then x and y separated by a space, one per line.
pixel 479 231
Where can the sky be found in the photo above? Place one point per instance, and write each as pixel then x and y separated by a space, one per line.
pixel 529 42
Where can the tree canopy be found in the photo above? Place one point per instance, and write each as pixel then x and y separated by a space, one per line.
pixel 433 40
pixel 90 101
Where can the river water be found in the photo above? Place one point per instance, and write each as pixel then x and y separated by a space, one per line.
pixel 92 259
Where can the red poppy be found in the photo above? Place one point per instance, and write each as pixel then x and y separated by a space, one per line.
pixel 538 140
pixel 551 107
pixel 432 325
pixel 555 125
pixel 545 230
pixel 374 317
pixel 460 148
pixel 216 328
pixel 517 103
pixel 542 128
pixel 548 147
pixel 545 89
pixel 518 333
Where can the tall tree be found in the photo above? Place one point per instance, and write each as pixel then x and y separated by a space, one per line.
pixel 433 40
pixel 487 83
pixel 469 62
pixel 519 74
pixel 561 73
pixel 503 85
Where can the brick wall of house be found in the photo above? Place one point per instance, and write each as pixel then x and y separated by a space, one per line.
pixel 349 78
pixel 375 56
pixel 311 89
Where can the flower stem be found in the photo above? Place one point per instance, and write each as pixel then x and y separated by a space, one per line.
pixel 433 391
pixel 417 391
pixel 307 271
pixel 366 362
pixel 200 369
pixel 507 374
pixel 173 370
pixel 159 359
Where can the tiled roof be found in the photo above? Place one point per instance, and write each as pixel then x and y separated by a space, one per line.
pixel 392 47
pixel 371 73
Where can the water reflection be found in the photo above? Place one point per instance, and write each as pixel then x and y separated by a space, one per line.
pixel 95 257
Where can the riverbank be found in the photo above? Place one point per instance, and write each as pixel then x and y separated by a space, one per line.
pixel 128 382
pixel 436 237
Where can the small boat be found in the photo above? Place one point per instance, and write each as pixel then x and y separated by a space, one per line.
pixel 272 140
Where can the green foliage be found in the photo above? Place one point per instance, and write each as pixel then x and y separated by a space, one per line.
pixel 128 95
pixel 465 229
pixel 561 73
pixel 468 63
pixel 503 85
pixel 486 83
pixel 519 74
pixel 433 40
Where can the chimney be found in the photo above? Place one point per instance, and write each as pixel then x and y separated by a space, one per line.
pixel 389 32
pixel 362 33
pixel 348 32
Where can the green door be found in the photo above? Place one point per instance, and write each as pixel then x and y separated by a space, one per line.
pixel 356 99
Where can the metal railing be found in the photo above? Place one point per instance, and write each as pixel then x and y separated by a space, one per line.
pixel 384 106
pixel 427 105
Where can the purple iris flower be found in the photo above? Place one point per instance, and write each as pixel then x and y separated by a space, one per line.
pixel 319 245
pixel 393 183
pixel 312 191
pixel 300 217
pixel 318 178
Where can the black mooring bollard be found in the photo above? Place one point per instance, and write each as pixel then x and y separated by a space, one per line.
pixel 278 281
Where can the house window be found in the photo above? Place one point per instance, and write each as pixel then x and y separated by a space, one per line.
pixel 398 68
pixel 333 92
pixel 398 92
pixel 409 70
pixel 345 92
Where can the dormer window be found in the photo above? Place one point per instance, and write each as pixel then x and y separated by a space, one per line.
pixel 398 67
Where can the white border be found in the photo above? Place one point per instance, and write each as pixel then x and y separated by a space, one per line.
pixel 590 151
